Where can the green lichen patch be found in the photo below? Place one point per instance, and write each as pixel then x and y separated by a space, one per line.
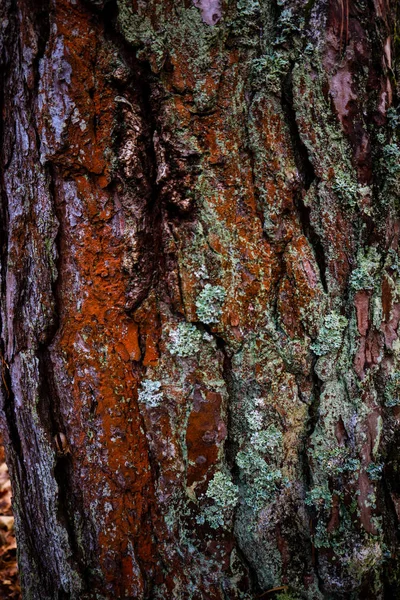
pixel 222 490
pixel 255 420
pixel 247 22
pixel 269 70
pixel 287 596
pixel 261 479
pixel 209 303
pixel 392 390
pixel 335 461
pixel 319 497
pixel 224 494
pixel 393 118
pixel 288 25
pixel 268 440
pixel 364 276
pixel 391 163
pixel 330 335
pixel 375 471
pixel 346 187
pixel 185 340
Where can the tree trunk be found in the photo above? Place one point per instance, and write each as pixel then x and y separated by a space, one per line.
pixel 200 297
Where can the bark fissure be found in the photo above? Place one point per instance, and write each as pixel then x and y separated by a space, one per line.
pixel 230 445
pixel 8 400
pixel 307 177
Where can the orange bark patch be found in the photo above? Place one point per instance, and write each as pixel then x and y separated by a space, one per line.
pixel 205 432
pixel 98 342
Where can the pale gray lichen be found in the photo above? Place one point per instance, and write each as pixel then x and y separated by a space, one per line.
pixel 364 276
pixel 209 303
pixel 185 340
pixel 222 490
pixel 262 479
pixel 267 441
pixel 335 461
pixel 255 420
pixel 330 335
pixel 225 495
pixel 150 393
pixel 345 186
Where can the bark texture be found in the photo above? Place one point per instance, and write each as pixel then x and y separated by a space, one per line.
pixel 200 288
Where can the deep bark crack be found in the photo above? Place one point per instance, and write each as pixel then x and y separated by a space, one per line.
pixel 6 383
pixel 230 445
pixel 307 175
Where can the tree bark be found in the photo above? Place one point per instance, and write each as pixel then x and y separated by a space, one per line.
pixel 200 297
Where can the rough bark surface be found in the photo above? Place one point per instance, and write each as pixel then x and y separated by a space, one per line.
pixel 200 288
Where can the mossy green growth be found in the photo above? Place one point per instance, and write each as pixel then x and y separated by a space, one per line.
pixel 246 23
pixel 286 596
pixel 185 340
pixel 393 262
pixel 338 539
pixel 134 27
pixel 248 8
pixel 209 303
pixel 320 129
pixel 330 335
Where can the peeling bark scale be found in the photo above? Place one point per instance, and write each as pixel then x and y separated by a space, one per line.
pixel 200 297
